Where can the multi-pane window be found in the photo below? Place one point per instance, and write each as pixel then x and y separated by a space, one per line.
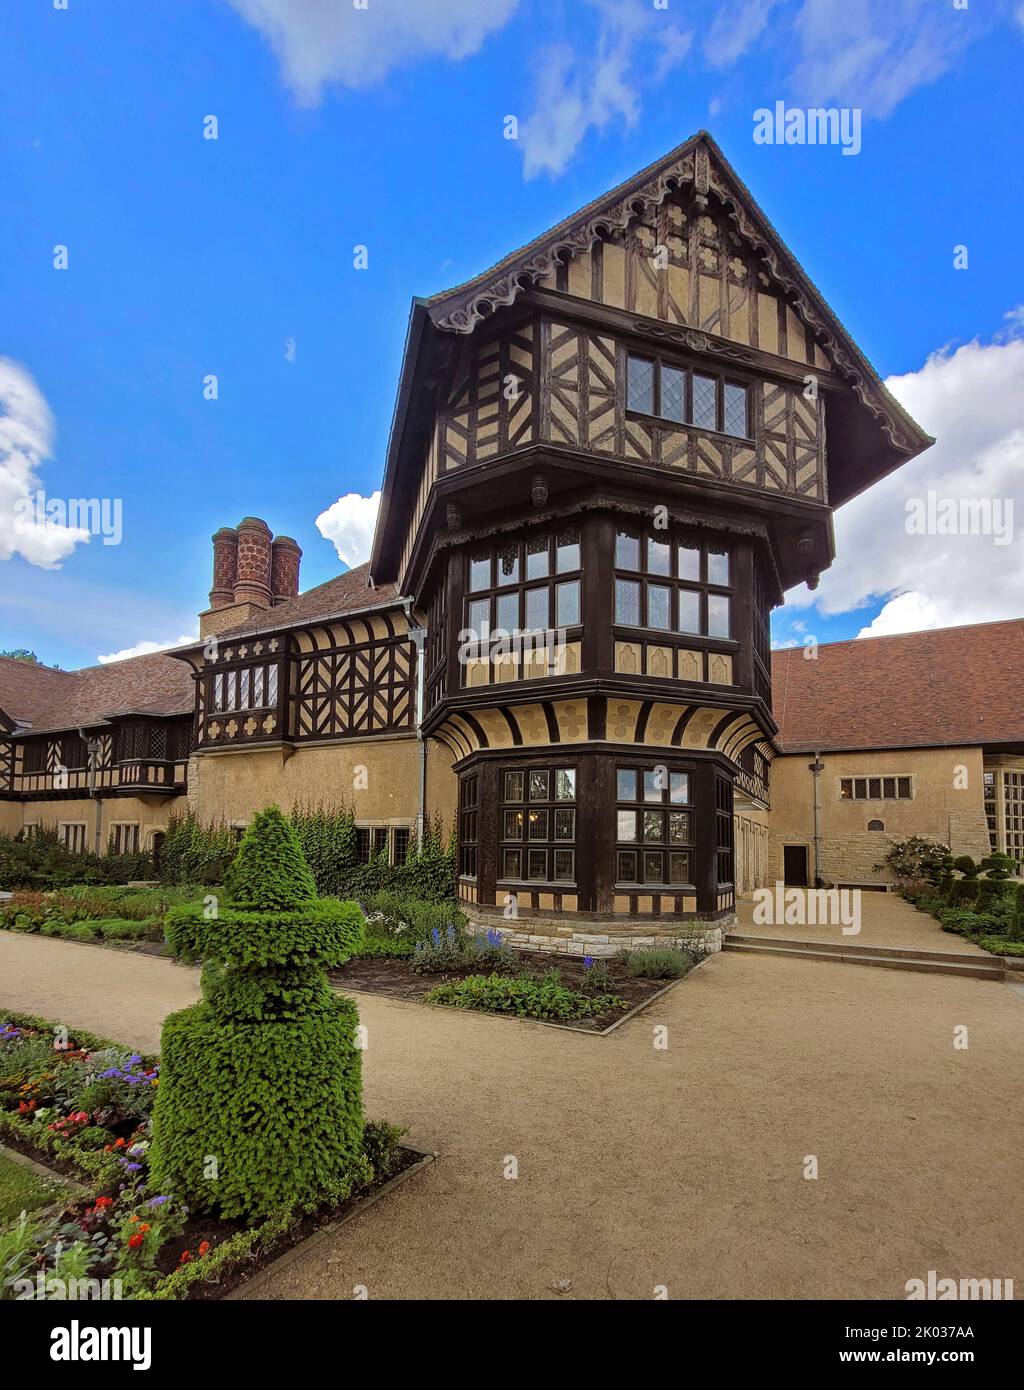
pixel 124 837
pixel 400 843
pixel 73 752
pixel 72 835
pixel 468 793
pixel 250 687
pixel 654 826
pixel 363 844
pixel 876 789
pixel 530 585
pixel 132 742
pixel 724 830
pixel 687 396
pixel 34 756
pixel 538 825
pixel 672 584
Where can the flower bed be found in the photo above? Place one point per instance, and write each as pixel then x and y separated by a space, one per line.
pixel 82 1105
pixel 96 914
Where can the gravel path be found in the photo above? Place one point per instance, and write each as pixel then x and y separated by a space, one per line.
pixel 641 1167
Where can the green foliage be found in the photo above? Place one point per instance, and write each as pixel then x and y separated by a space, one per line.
pixel 523 996
pixel 1000 946
pixel 993 892
pixel 658 963
pixel 194 851
pixel 41 861
pixel 263 1077
pixel 964 864
pixel 916 858
pixel 269 870
pixel 444 950
pixel 963 891
pixel 597 978
pixel 998 865
pixel 382 1147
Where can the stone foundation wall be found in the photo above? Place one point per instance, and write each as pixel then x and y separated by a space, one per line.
pixel 602 938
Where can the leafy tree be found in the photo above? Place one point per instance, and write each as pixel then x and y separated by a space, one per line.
pixel 22 654
pixel 917 858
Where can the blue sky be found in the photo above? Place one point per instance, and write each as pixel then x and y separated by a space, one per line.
pixel 382 126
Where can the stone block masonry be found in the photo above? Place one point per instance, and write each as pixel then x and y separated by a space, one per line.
pixel 603 938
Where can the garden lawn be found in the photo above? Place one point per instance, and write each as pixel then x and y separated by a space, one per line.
pixel 22 1189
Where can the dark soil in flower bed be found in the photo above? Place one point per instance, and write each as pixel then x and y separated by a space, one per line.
pixel 394 977
pixel 205 1228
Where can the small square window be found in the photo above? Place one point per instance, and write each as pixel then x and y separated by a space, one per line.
pixel 718 615
pixel 653 866
pixel 538 558
pixel 479 573
pixel 679 827
pixel 627 602
pixel 537 609
pixel 512 863
pixel 513 786
pixel 659 557
pixel 507 612
pixel 567 603
pixel 564 861
pixel 735 409
pixel 679 868
pixel 689 563
pixel 673 394
pixel 679 788
pixel 567 551
pixel 565 784
pixel 705 410
pixel 538 786
pixel 654 827
pixel 513 827
pixel 627 551
pixel 654 786
pixel 718 566
pixel 625 866
pixel 659 607
pixel 537 825
pixel 689 611
pixel 479 619
pixel 640 385
pixel 626 826
pixel 626 784
pixel 565 825
pixel 538 864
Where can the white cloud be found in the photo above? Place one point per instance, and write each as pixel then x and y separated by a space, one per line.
pixel 577 91
pixel 735 28
pixel 27 433
pixel 972 400
pixel 318 42
pixel 349 524
pixel 145 648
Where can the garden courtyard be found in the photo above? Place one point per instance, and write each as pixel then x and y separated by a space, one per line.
pixel 642 1166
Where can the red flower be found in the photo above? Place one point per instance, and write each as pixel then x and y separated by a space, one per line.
pixel 135 1241
pixel 186 1257
pixel 204 1247
pixel 102 1202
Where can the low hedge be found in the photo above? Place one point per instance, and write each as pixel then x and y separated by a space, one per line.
pixel 523 996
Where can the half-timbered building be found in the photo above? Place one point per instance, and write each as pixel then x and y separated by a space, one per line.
pixel 611 455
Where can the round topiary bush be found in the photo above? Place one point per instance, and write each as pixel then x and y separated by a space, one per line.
pixel 260 1100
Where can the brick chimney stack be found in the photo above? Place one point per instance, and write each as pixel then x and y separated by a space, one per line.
pixel 252 583
pixel 251 572
pixel 284 569
pixel 225 567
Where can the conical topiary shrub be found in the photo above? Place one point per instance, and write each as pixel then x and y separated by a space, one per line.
pixel 260 1100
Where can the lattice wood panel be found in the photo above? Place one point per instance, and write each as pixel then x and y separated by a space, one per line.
pixel 362 690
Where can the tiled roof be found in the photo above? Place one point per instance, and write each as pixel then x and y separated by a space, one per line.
pixel 343 594
pixel 46 699
pixel 947 687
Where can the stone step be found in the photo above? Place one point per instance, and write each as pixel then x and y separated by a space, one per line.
pixel 976 969
pixel 850 947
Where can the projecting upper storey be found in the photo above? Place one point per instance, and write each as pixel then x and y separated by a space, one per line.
pixel 665 326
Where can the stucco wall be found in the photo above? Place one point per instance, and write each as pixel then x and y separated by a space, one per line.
pixel 947 805
pixel 377 778
pixel 150 814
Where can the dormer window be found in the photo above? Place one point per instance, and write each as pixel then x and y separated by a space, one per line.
pixel 687 397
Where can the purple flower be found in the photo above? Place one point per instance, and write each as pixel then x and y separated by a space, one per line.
pixel 157 1201
pixel 588 961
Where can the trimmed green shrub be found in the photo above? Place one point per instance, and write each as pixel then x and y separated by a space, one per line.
pixel 999 946
pixel 965 865
pixel 998 865
pixel 42 861
pixel 260 1100
pixel 992 892
pixel 523 996
pixel 963 891
pixel 658 963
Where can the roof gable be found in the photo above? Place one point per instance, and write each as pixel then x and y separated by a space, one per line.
pixel 911 690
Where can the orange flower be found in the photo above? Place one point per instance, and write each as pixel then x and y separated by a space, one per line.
pixel 204 1247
